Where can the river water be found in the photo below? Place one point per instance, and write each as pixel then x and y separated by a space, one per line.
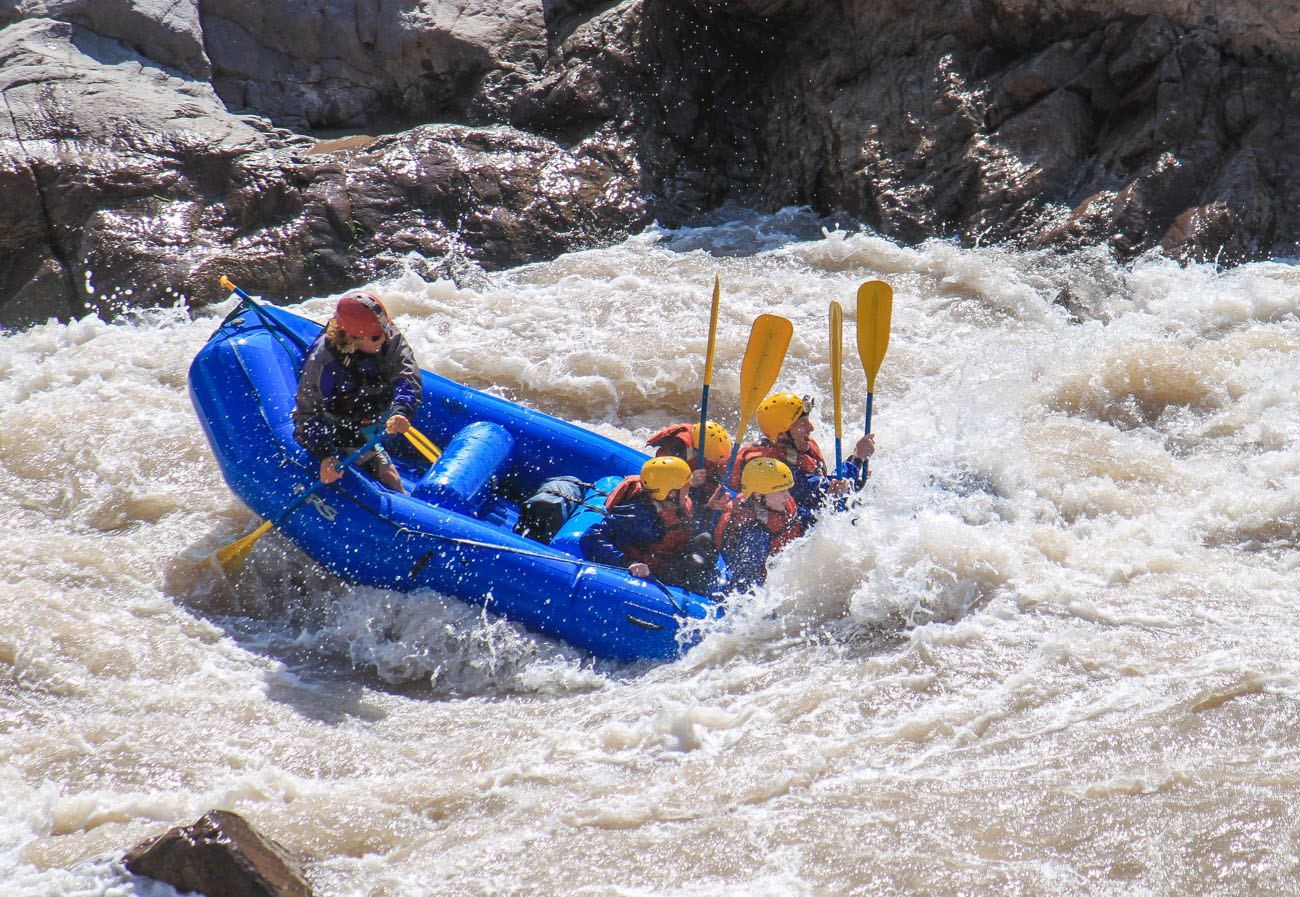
pixel 1055 651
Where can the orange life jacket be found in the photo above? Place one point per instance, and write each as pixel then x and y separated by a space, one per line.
pixel 675 515
pixel 808 462
pixel 784 525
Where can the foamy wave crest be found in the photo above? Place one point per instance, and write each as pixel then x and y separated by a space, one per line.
pixel 457 647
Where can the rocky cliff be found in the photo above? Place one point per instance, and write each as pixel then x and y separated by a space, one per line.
pixel 305 145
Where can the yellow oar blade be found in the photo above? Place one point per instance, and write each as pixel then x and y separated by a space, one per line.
pixel 423 445
pixel 837 363
pixel 875 303
pixel 713 330
pixel 769 339
pixel 233 554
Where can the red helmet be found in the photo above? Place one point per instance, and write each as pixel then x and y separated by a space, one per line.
pixel 361 314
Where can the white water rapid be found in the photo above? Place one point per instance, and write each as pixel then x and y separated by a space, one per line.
pixel 1057 653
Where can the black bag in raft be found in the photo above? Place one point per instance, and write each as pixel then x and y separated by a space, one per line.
pixel 542 515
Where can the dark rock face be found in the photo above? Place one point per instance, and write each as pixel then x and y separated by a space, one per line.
pixel 148 146
pixel 350 63
pixel 220 856
pixel 1019 121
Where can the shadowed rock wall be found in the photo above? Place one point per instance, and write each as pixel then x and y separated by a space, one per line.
pixel 1042 123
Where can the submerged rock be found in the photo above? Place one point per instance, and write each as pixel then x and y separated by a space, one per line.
pixel 151 146
pixel 220 855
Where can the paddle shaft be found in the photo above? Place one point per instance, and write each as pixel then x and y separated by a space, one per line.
pixel 731 462
pixel 708 375
pixel 862 477
pixel 343 465
pixel 704 425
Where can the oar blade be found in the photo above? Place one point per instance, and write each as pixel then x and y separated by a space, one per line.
pixel 713 330
pixel 769 339
pixel 875 305
pixel 234 554
pixel 837 363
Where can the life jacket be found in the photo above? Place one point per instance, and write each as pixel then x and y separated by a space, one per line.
pixel 784 525
pixel 662 442
pixel 359 389
pixel 808 462
pixel 674 515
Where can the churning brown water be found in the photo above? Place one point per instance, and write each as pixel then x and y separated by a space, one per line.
pixel 1056 653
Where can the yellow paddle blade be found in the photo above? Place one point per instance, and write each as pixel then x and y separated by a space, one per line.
pixel 837 363
pixel 423 445
pixel 713 330
pixel 233 554
pixel 768 340
pixel 226 283
pixel 875 302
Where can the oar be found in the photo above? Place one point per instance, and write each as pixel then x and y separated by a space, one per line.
pixel 233 554
pixel 768 340
pixel 708 373
pixel 837 365
pixel 875 302
pixel 422 443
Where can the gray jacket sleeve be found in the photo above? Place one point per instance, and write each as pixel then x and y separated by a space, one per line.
pixel 405 374
pixel 310 425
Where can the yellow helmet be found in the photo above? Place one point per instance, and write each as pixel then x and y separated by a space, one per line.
pixel 718 446
pixel 660 476
pixel 778 412
pixel 764 475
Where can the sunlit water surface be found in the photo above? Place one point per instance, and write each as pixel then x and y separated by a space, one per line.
pixel 1055 652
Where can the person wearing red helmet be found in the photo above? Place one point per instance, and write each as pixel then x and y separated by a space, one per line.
pixel 358 369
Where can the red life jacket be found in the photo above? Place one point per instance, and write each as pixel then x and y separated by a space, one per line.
pixel 662 441
pixel 675 515
pixel 784 525
pixel 807 462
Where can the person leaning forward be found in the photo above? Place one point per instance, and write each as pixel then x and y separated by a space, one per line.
pixel 650 528
pixel 359 368
pixel 758 523
pixel 787 436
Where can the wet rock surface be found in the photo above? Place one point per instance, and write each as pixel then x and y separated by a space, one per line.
pixel 1042 123
pixel 220 855
pixel 147 147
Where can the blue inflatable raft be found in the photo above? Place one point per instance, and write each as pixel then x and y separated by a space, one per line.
pixel 454 530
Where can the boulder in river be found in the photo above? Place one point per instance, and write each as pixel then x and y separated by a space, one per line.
pixel 220 855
